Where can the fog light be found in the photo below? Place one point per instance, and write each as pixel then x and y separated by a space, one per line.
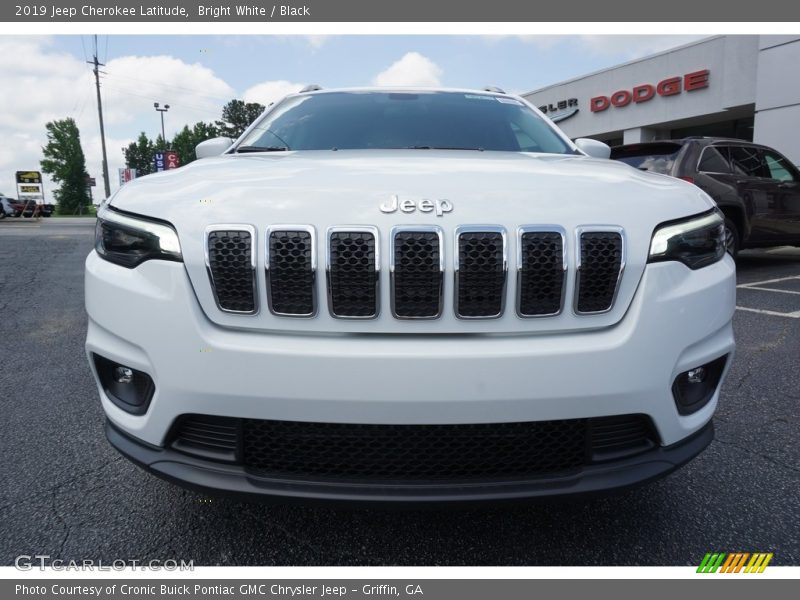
pixel 129 389
pixel 697 375
pixel 123 375
pixel 694 388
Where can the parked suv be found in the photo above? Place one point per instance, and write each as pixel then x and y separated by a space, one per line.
pixel 408 295
pixel 756 187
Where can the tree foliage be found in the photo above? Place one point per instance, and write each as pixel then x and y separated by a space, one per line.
pixel 65 162
pixel 139 155
pixel 237 116
pixel 187 139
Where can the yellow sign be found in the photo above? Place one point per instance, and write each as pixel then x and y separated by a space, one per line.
pixel 29 177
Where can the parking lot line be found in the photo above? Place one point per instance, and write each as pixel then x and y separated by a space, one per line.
pixel 774 313
pixel 758 283
pixel 763 289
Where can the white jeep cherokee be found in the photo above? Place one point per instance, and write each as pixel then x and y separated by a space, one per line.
pixel 408 295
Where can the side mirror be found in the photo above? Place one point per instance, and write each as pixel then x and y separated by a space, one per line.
pixel 593 148
pixel 212 147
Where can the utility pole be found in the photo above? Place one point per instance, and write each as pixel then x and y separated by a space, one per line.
pixel 96 70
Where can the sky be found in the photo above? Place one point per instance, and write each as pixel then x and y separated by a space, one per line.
pixel 47 78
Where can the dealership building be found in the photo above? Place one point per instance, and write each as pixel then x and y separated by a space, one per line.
pixel 741 86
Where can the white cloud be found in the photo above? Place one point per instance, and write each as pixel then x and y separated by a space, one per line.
pixel 635 46
pixel 134 83
pixel 43 84
pixel 317 41
pixel 267 92
pixel 627 46
pixel 413 69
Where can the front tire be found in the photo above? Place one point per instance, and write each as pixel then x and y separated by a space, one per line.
pixel 732 238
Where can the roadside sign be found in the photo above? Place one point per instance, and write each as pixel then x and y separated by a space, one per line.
pixel 126 175
pixel 163 161
pixel 29 185
pixel 29 177
pixel 91 181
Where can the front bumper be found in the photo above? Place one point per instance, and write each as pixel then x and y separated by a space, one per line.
pixel 149 319
pixel 233 480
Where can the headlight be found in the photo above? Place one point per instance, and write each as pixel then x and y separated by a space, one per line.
pixel 129 241
pixel 696 242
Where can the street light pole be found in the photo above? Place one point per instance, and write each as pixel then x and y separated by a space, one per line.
pixel 156 105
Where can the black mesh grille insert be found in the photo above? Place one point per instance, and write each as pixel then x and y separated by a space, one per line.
pixel 353 290
pixel 210 437
pixel 625 435
pixel 541 273
pixel 481 274
pixel 231 266
pixel 417 274
pixel 601 260
pixel 413 452
pixel 291 275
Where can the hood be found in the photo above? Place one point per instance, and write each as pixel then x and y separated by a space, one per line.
pixel 325 189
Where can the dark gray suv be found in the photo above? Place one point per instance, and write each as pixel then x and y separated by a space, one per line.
pixel 756 187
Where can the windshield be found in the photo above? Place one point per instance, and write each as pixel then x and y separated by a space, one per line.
pixel 392 120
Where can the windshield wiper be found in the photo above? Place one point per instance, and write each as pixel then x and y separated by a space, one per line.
pixel 441 148
pixel 261 149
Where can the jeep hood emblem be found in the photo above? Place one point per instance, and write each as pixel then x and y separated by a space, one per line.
pixel 393 204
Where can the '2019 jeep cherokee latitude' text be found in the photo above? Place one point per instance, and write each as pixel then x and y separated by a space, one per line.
pixel 408 295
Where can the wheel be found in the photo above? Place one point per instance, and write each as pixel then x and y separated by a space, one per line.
pixel 2 214
pixel 732 238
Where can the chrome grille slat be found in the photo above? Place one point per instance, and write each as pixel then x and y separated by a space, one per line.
pixel 231 266
pixel 600 263
pixel 291 267
pixel 541 270
pixel 417 272
pixel 480 267
pixel 353 271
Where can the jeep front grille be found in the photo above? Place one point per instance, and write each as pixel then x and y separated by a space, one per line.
pixel 291 271
pixel 231 267
pixel 353 272
pixel 417 265
pixel 417 258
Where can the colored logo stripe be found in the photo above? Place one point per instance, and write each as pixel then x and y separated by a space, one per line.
pixel 758 563
pixel 711 563
pixel 734 562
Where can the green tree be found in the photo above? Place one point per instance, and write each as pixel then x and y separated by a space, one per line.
pixel 187 139
pixel 237 116
pixel 65 162
pixel 139 155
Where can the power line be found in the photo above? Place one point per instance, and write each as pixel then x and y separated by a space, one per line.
pixel 195 92
pixel 179 104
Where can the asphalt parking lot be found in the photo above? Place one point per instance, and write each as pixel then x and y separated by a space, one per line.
pixel 64 492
